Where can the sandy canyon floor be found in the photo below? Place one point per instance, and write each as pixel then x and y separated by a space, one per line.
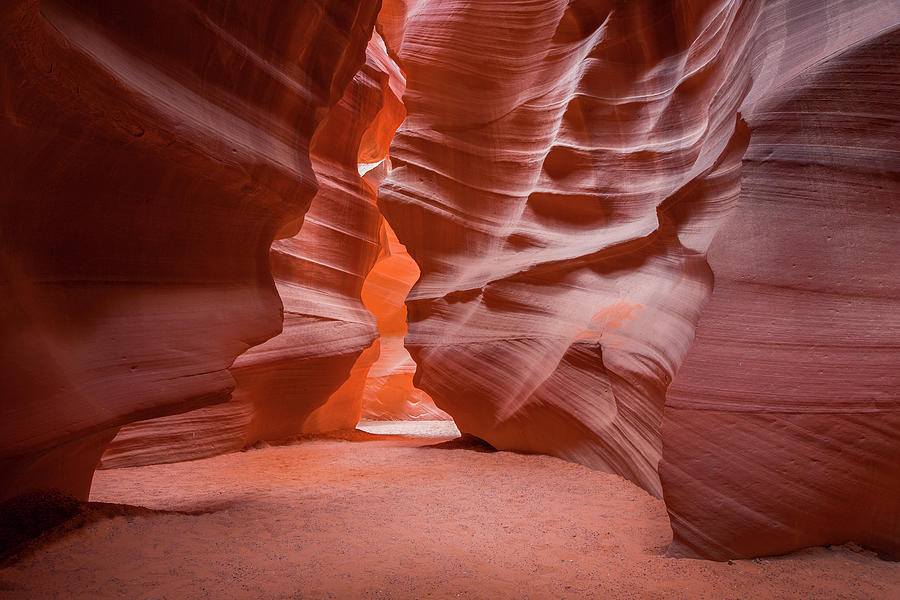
pixel 375 516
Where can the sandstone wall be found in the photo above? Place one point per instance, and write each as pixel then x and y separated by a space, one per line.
pixel 151 152
pixel 561 176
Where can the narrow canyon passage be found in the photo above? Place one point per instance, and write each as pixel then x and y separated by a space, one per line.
pixel 387 517
pixel 450 298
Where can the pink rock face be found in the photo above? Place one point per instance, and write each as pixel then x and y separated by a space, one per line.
pixel 283 385
pixel 559 180
pixel 146 170
pixel 559 197
pixel 782 428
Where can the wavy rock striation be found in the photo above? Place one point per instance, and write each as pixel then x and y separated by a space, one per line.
pixel 287 386
pixel 656 238
pixel 146 170
pixel 561 175
pixel 321 270
pixel 782 428
pixel 559 198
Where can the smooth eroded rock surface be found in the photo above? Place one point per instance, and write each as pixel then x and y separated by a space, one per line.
pixel 782 428
pixel 151 152
pixel 559 193
pixel 284 385
pixel 654 238
pixel 559 181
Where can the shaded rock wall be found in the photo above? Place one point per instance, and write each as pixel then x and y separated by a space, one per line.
pixel 151 152
pixel 559 180
pixel 782 428
pixel 283 385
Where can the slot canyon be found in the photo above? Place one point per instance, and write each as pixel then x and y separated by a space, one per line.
pixel 450 299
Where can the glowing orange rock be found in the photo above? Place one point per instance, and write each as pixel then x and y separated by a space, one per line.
pixel 389 392
pixel 320 271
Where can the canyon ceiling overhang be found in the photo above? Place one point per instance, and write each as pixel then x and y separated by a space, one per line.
pixel 656 238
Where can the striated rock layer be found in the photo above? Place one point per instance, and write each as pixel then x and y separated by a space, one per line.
pixel 320 272
pixel 151 152
pixel 283 384
pixel 576 180
pixel 782 428
pixel 558 197
pixel 561 175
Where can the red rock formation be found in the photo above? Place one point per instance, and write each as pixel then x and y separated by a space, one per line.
pixel 151 152
pixel 558 198
pixel 320 272
pixel 559 180
pixel 568 182
pixel 782 428
pixel 283 384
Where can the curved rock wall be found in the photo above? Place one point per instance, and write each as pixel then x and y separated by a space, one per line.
pixel 146 170
pixel 559 196
pixel 320 272
pixel 284 385
pixel 560 177
pixel 575 180
pixel 782 428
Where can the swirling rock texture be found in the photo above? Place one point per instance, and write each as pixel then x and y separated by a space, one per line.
pixel 289 385
pixel 576 181
pixel 561 175
pixel 782 428
pixel 549 196
pixel 151 152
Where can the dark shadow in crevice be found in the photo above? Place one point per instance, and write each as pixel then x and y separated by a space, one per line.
pixel 347 435
pixel 464 442
pixel 30 521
